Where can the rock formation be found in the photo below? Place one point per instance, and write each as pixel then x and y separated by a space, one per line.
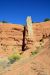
pixel 18 38
pixel 32 41
pixel 28 36
pixel 29 28
pixel 11 37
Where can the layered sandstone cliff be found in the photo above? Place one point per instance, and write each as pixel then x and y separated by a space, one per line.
pixel 11 38
pixel 41 30
pixel 14 38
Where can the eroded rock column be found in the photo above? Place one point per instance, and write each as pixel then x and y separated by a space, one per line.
pixel 28 36
pixel 29 28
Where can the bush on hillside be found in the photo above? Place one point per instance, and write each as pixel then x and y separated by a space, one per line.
pixel 46 19
pixel 4 21
pixel 13 58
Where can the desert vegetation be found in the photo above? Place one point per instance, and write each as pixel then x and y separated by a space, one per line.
pixel 4 21
pixel 12 58
pixel 34 52
pixel 46 19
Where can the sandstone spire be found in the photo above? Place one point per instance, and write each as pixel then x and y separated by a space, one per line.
pixel 29 27
pixel 28 37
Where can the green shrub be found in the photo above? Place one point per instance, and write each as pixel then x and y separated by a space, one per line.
pixel 34 53
pixel 13 58
pixel 4 21
pixel 38 49
pixel 46 19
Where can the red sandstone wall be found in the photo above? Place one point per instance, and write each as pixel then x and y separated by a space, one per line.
pixel 41 29
pixel 11 38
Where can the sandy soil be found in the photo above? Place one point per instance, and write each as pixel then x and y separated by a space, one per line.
pixel 37 65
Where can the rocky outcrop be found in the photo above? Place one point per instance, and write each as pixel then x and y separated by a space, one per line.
pixel 11 38
pixel 14 38
pixel 41 30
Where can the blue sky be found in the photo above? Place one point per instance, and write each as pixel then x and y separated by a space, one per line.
pixel 16 11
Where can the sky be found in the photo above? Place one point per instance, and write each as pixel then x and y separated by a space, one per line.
pixel 16 11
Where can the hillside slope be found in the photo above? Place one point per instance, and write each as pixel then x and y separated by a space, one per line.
pixel 33 65
pixel 35 53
